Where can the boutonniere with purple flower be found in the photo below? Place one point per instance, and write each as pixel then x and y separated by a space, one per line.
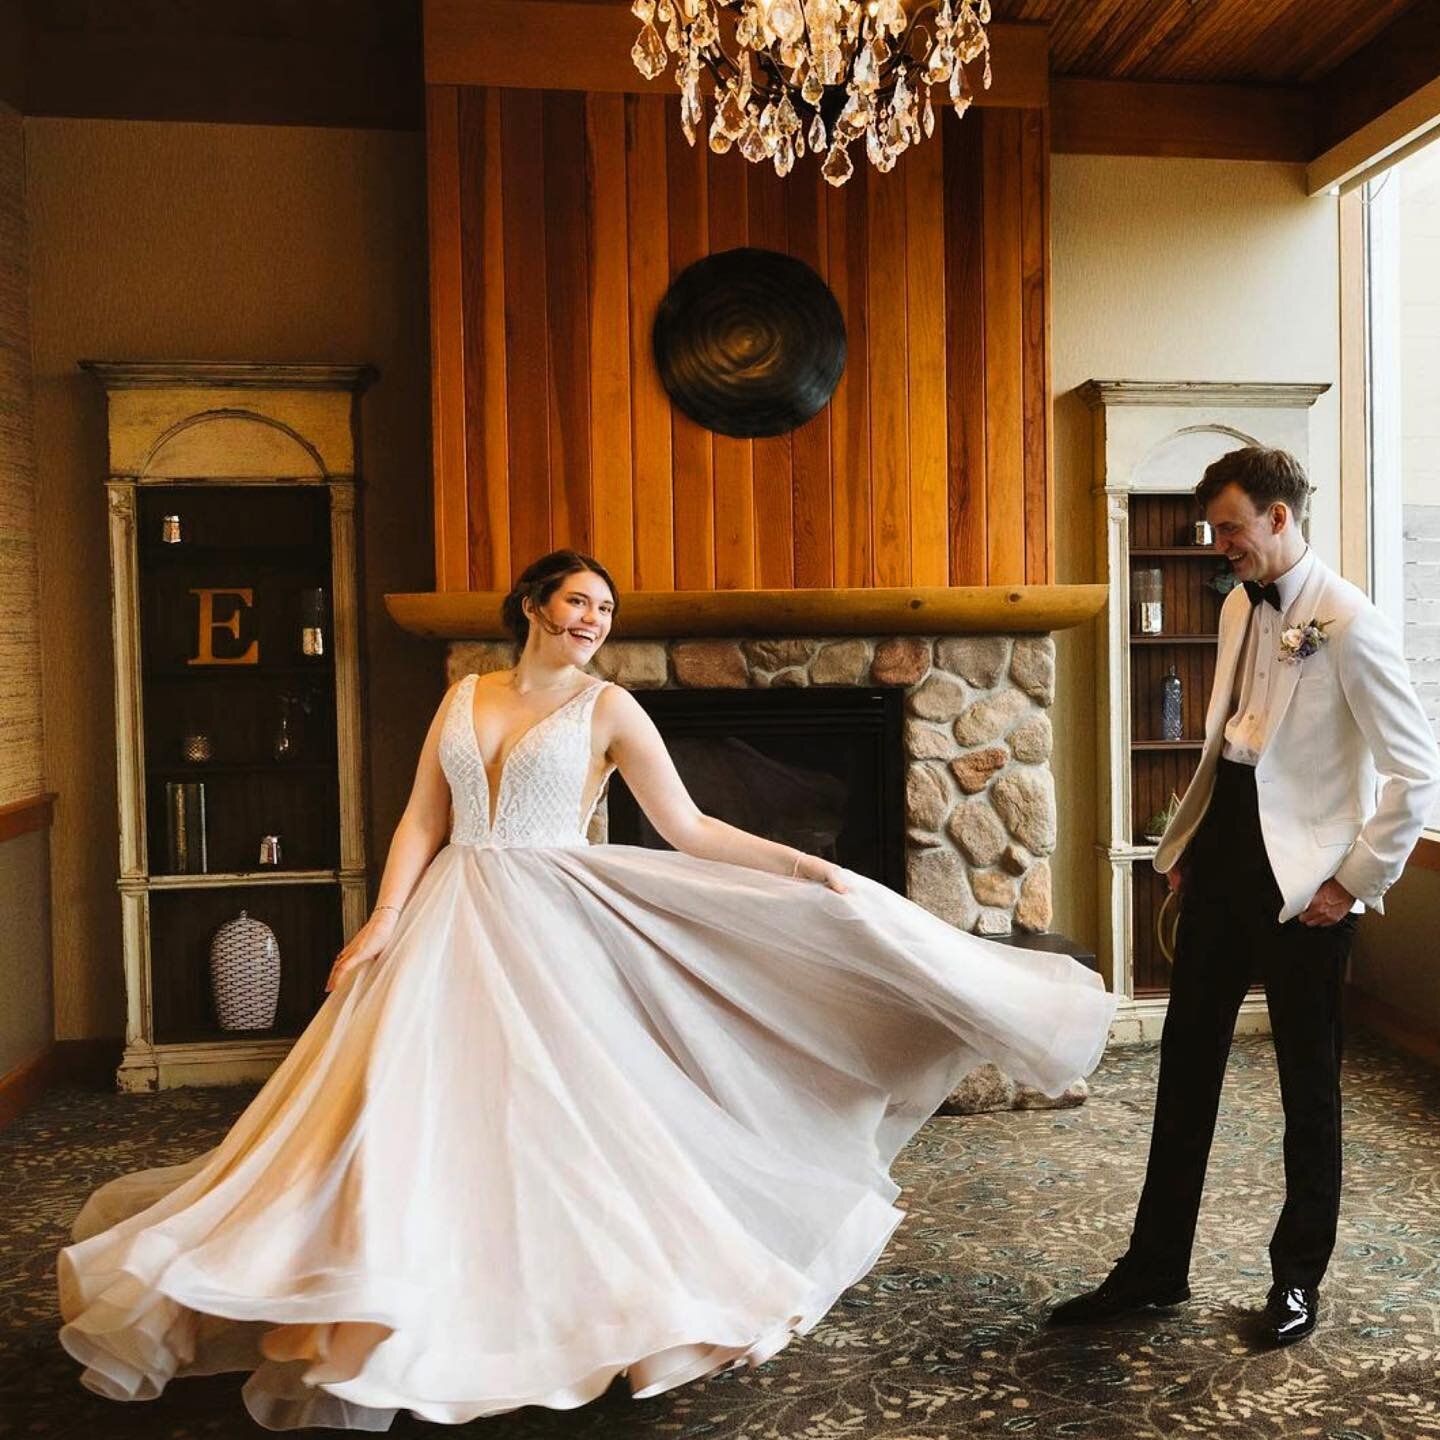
pixel 1300 642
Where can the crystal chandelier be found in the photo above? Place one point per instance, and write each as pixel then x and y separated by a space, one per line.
pixel 816 73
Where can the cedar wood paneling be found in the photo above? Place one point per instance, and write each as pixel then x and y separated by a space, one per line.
pixel 557 221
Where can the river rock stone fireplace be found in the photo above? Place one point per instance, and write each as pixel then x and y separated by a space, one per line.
pixel 979 797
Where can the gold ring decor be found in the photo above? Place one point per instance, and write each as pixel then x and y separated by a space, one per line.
pixel 1167 925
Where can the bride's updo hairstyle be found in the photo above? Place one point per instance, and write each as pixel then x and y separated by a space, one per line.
pixel 539 581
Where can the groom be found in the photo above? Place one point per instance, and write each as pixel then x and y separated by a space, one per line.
pixel 1317 773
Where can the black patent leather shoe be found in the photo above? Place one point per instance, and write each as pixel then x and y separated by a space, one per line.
pixel 1290 1314
pixel 1128 1287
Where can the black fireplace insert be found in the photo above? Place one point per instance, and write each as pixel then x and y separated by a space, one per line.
pixel 820 769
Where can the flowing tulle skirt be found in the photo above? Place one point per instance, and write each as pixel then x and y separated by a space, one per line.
pixel 595 1111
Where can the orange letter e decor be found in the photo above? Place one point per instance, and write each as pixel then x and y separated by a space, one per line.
pixel 231 624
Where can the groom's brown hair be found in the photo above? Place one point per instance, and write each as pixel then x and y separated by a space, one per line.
pixel 1265 474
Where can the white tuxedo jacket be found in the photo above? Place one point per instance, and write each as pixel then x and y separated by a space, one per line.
pixel 1349 770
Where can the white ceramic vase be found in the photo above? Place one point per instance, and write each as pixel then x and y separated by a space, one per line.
pixel 245 974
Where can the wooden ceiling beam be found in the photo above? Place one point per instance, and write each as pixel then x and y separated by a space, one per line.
pixel 211 62
pixel 1214 122
pixel 12 54
pixel 1402 59
pixel 572 45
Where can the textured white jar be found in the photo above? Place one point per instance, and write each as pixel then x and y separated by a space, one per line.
pixel 245 974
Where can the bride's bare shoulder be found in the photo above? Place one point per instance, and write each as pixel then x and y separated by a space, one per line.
pixel 492 679
pixel 617 709
pixel 490 682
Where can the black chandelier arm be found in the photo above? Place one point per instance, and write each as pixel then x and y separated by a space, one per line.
pixel 770 83
pixel 778 84
pixel 723 69
pixel 716 62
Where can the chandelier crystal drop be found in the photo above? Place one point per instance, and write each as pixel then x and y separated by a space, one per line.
pixel 816 73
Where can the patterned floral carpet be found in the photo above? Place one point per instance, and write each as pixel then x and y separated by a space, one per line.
pixel 1007 1213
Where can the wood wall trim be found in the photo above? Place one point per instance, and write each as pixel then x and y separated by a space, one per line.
pixel 902 610
pixel 1206 122
pixel 20 817
pixel 27 1082
pixel 1391 1023
pixel 569 45
pixel 214 63
pixel 1426 854
pixel 81 1062
pixel 1354 406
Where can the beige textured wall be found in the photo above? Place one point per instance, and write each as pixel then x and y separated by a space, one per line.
pixel 170 241
pixel 1172 270
pixel 26 1019
pixel 21 758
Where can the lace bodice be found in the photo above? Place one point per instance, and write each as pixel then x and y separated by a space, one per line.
pixel 542 782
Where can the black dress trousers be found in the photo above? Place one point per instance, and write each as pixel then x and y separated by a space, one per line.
pixel 1229 939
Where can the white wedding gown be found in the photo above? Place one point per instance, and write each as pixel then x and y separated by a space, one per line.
pixel 596 1111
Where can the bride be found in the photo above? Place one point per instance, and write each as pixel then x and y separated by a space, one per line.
pixel 568 1112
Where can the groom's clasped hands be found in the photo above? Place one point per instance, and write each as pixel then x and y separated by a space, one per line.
pixel 1330 904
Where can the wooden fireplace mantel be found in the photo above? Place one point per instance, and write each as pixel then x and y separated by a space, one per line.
pixel 675 614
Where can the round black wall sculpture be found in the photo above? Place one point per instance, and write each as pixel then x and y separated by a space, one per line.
pixel 749 342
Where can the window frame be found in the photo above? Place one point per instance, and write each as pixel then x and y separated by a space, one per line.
pixel 1368 552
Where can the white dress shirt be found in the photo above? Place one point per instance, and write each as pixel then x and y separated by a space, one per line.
pixel 1249 725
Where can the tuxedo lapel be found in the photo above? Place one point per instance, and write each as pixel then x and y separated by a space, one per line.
pixel 1300 612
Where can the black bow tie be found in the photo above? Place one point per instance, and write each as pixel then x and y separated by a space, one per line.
pixel 1258 592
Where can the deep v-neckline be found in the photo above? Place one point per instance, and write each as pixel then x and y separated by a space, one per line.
pixel 493 793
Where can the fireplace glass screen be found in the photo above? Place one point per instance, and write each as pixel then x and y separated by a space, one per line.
pixel 820 769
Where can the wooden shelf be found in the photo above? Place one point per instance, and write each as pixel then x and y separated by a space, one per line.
pixel 300 555
pixel 224 880
pixel 1167 744
pixel 874 610
pixel 210 769
pixel 318 670
pixel 214 1034
pixel 1174 639
pixel 1175 552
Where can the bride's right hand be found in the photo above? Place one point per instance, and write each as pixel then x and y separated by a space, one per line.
pixel 366 943
pixel 812 867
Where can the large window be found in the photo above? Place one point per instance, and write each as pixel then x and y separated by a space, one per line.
pixel 1402 214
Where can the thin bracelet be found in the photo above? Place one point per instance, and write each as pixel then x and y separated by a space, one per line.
pixel 395 908
pixel 795 868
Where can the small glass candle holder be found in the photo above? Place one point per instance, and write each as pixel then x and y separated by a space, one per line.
pixel 269 851
pixel 286 738
pixel 171 532
pixel 197 748
pixel 312 622
pixel 1147 597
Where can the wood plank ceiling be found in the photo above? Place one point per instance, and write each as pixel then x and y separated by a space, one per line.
pixel 357 62
pixel 1248 41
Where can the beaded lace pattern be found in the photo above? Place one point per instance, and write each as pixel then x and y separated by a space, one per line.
pixel 542 782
